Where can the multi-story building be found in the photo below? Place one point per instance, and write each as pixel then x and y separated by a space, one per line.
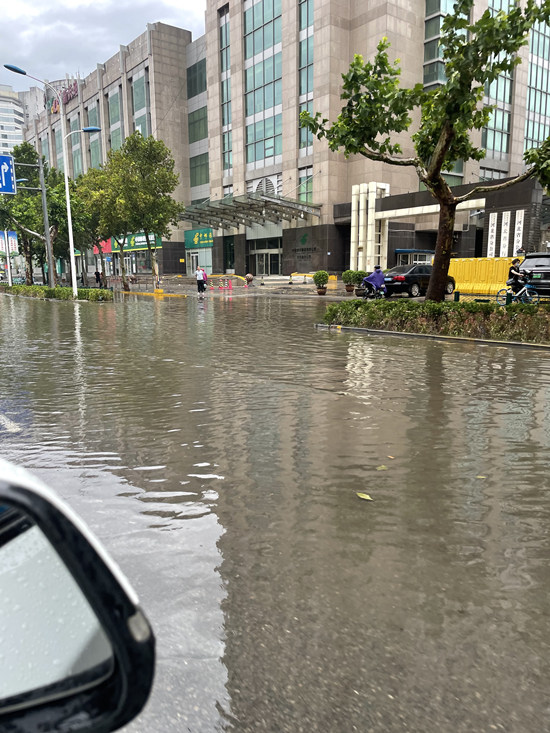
pixel 12 119
pixel 143 87
pixel 262 194
pixel 267 60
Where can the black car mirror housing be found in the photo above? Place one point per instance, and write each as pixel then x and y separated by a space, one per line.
pixel 88 648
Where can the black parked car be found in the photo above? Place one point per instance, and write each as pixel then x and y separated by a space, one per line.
pixel 412 279
pixel 538 263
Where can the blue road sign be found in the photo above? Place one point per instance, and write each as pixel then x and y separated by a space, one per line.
pixel 7 174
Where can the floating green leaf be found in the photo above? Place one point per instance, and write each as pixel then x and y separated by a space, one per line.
pixel 381 468
pixel 364 496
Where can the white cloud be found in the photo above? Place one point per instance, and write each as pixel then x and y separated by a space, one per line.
pixel 50 40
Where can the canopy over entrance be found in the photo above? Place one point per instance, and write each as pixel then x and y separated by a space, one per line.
pixel 233 212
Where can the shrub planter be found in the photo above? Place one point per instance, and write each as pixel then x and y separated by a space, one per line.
pixel 320 279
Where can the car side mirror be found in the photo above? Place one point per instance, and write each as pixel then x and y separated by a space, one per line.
pixel 76 651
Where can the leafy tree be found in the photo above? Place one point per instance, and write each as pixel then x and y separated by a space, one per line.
pixel 91 192
pixel 23 211
pixel 101 190
pixel 148 183
pixel 132 193
pixel 474 54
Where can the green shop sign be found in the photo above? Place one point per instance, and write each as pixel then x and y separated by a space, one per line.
pixel 136 241
pixel 198 238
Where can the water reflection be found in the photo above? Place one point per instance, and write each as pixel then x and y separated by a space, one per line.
pixel 217 447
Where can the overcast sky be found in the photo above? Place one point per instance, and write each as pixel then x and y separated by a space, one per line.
pixel 59 37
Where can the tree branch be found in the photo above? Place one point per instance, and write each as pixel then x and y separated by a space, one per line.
pixel 496 187
pixel 440 151
pixel 382 158
pixel 30 232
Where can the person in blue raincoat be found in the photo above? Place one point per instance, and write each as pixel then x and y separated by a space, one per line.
pixel 374 281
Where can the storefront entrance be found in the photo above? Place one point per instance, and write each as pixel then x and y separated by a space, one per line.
pixel 264 256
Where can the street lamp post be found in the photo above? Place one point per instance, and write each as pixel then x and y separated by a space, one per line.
pixel 64 135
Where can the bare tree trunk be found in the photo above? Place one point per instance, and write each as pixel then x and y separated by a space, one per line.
pixel 154 263
pixel 443 250
pixel 125 284
pixel 27 254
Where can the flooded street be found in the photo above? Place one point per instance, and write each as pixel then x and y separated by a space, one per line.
pixel 216 448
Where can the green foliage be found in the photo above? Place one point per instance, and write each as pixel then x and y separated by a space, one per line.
pixel 347 277
pixel 519 322
pixel 376 109
pixel 358 277
pixel 57 293
pixel 320 278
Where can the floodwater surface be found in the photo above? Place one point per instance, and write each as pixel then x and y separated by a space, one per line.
pixel 217 449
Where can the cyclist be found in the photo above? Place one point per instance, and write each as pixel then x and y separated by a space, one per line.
pixel 515 276
pixel 375 281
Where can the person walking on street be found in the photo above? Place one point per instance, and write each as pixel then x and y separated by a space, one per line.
pixel 199 274
pixel 98 278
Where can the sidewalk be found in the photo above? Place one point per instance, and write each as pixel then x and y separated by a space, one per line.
pixel 272 285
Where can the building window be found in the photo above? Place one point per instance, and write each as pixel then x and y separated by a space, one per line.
pixel 115 119
pixel 225 56
pixel 305 184
pixel 116 139
pixel 94 138
pixel 140 104
pixel 491 174
pixel 306 66
pixel 227 151
pixel 305 135
pixel 59 150
pixel 198 170
pixel 139 95
pixel 229 252
pixel 95 152
pixel 262 27
pixel 93 116
pixel 263 85
pixel 45 149
pixel 305 8
pixel 537 123
pixel 196 79
pixel 264 139
pixel 226 102
pixel 198 125
pixel 228 191
pixel 140 125
pixel 114 108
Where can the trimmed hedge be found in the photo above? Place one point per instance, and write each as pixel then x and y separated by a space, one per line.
pixel 517 322
pixel 44 292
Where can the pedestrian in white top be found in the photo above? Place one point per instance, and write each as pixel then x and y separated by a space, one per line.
pixel 199 274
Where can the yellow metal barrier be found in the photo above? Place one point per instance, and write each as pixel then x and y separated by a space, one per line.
pixel 480 275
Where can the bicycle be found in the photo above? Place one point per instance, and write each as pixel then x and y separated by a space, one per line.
pixel 527 294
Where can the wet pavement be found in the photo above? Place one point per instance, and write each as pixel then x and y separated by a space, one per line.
pixel 217 448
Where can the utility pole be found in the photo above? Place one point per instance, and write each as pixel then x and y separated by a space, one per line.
pixel 42 189
pixel 49 253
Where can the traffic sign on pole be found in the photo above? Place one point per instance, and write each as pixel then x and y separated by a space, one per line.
pixel 7 174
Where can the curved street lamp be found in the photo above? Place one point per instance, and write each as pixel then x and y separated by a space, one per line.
pixel 65 135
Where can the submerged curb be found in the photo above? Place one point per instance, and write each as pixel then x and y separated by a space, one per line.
pixel 459 339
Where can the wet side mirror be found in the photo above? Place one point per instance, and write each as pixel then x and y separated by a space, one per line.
pixel 76 651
